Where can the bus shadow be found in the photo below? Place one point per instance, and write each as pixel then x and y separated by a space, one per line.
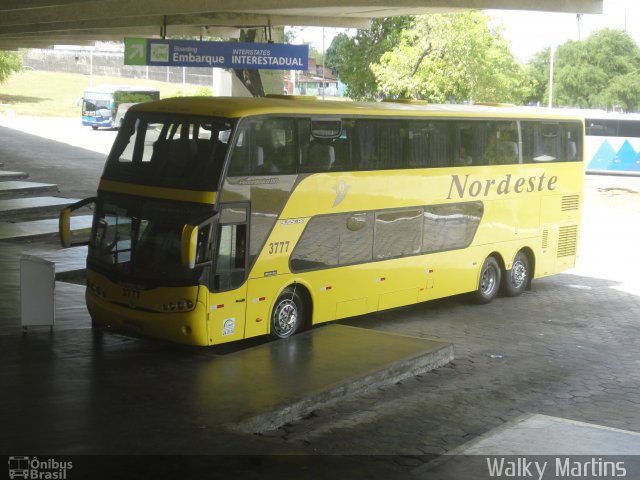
pixel 567 296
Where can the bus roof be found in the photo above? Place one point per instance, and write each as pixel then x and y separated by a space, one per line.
pixel 237 107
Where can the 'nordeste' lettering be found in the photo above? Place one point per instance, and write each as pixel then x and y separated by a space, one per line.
pixel 465 186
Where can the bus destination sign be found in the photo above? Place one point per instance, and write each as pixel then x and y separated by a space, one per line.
pixel 193 53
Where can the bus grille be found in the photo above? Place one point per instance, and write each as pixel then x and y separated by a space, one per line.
pixel 568 241
pixel 570 202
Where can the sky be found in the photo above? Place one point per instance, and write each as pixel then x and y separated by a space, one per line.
pixel 530 32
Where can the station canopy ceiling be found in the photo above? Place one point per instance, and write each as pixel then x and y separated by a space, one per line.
pixel 42 23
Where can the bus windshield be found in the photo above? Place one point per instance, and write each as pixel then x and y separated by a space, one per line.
pixel 93 104
pixel 139 239
pixel 170 151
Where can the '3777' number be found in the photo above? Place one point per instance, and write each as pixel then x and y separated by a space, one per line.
pixel 278 247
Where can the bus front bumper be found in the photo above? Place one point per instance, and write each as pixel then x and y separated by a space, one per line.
pixel 182 327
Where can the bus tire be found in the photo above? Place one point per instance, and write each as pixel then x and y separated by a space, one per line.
pixel 489 283
pixel 288 316
pixel 95 127
pixel 516 280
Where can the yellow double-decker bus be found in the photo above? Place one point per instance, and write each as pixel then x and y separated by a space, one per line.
pixel 218 219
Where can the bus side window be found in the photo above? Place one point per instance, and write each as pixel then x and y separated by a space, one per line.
pixel 503 144
pixel 540 142
pixel 464 145
pixel 547 141
pixel 390 146
pixel 266 147
pixel 240 161
pixel 417 144
pixel 572 134
pixel 440 150
pixel 321 155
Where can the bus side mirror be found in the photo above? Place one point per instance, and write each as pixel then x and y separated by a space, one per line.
pixel 64 223
pixel 189 246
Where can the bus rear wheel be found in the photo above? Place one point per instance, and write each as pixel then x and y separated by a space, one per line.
pixel 517 279
pixel 288 314
pixel 489 283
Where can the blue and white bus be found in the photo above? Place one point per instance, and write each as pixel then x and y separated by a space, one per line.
pixel 612 142
pixel 105 105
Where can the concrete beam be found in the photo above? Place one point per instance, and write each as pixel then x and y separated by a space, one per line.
pixel 40 21
pixel 213 20
pixel 92 10
pixel 118 34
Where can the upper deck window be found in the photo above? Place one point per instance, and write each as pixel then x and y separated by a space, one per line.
pixel 266 147
pixel 171 151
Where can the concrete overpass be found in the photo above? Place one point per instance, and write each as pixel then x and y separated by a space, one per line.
pixel 42 23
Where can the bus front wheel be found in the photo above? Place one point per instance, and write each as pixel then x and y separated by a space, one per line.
pixel 288 314
pixel 517 279
pixel 489 283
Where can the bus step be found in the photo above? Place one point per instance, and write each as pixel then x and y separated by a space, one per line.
pixel 80 226
pixel 43 207
pixel 9 175
pixel 14 188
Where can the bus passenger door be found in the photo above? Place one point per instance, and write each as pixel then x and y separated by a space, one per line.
pixel 228 297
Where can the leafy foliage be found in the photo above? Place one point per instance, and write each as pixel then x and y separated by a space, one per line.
pixel 352 56
pixel 9 63
pixel 601 71
pixel 452 58
pixel 538 75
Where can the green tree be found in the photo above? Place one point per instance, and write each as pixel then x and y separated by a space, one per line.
pixel 598 72
pixel 623 91
pixel 452 58
pixel 537 71
pixel 9 63
pixel 351 56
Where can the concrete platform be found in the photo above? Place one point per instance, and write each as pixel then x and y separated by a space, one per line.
pixel 23 207
pixel 16 187
pixel 82 391
pixel 545 435
pixel 322 366
pixel 8 175
pixel 540 438
pixel 42 228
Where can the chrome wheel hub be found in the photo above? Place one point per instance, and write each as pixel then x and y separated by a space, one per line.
pixel 488 281
pixel 518 274
pixel 285 316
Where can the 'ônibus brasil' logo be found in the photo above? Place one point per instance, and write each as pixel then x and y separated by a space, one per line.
pixel 464 187
pixel 38 469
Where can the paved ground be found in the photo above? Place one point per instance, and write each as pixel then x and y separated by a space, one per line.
pixel 569 348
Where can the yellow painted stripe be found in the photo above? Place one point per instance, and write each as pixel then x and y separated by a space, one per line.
pixel 158 192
